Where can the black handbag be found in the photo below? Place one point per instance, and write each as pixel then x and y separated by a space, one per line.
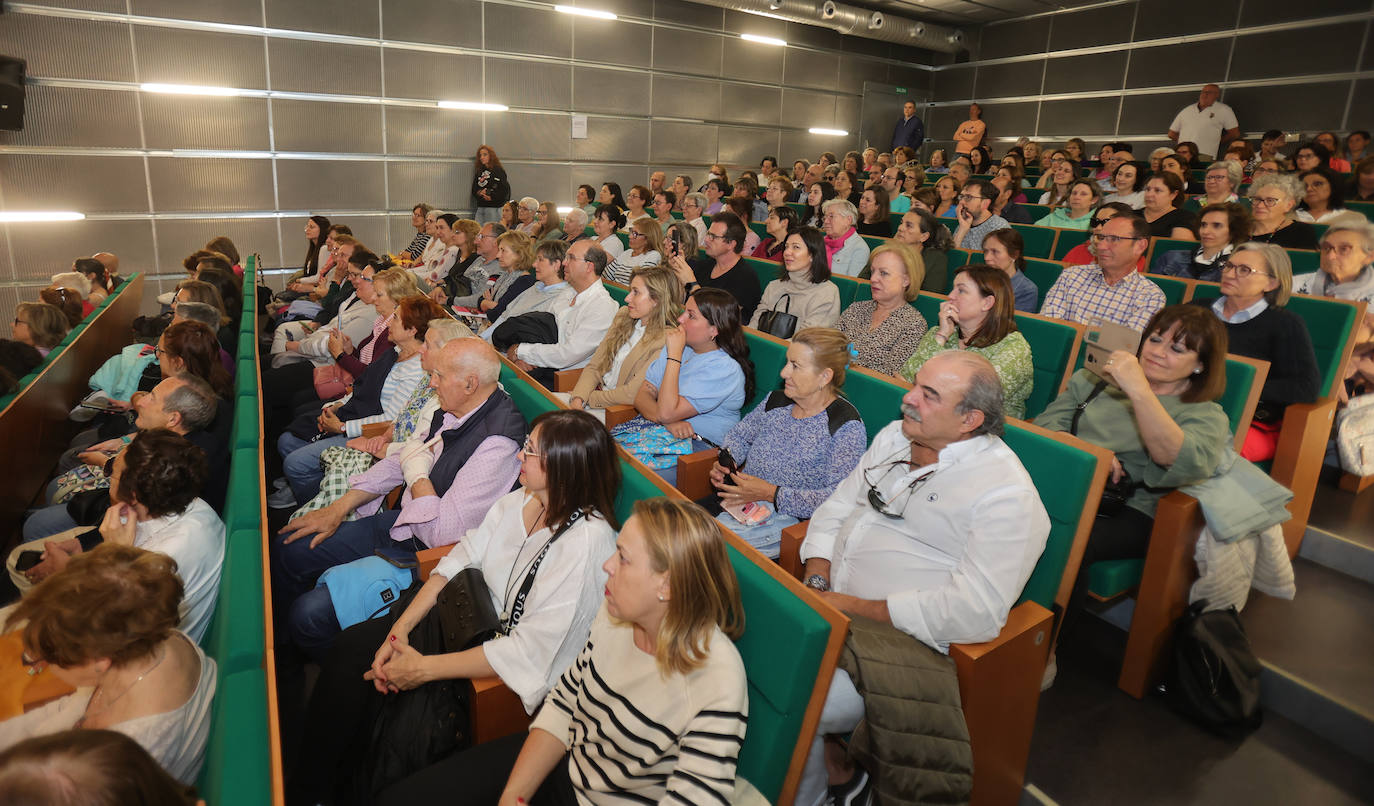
pixel 1214 676
pixel 779 323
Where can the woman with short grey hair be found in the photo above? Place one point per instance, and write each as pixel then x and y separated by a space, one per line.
pixel 1272 200
pixel 575 225
pixel 527 209
pixel 1221 181
pixel 845 248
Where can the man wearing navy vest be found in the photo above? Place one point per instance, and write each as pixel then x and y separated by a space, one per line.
pixel 453 471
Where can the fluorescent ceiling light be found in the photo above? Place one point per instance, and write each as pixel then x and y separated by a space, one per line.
pixel 835 132
pixel 190 89
pixel 55 215
pixel 763 40
pixel 473 106
pixel 585 12
pixel 564 210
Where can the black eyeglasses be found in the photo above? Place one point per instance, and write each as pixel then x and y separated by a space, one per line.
pixel 881 505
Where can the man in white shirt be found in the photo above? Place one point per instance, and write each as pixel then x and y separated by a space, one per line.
pixel 582 321
pixel 935 532
pixel 1209 123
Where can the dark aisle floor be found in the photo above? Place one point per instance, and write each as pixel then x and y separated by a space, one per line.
pixel 1096 746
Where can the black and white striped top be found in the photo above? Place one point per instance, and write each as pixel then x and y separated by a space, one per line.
pixel 637 737
pixel 417 245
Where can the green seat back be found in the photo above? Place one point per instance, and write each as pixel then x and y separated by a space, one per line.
pixel 1111 578
pixel 1033 195
pixel 1240 378
pixel 850 288
pixel 1068 239
pixel 759 229
pixel 1305 261
pixel 766 270
pixel 874 241
pixel 235 636
pixel 617 292
pixel 1043 273
pixel 951 224
pixel 634 486
pixel 768 357
pixel 956 259
pixel 242 501
pixel 1174 289
pixel 895 220
pixel 1063 476
pixel 783 642
pixel 878 399
pixel 1329 324
pixel 527 397
pixel 1367 208
pixel 1163 245
pixel 1051 342
pixel 245 431
pixel 1036 211
pixel 624 239
pixel 800 208
pixel 238 766
pixel 1039 240
pixel 928 305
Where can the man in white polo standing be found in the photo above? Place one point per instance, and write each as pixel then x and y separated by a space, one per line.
pixel 1209 123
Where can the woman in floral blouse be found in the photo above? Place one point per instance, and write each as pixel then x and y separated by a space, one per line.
pixel 883 331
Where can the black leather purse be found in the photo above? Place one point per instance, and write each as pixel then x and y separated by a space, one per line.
pixel 779 323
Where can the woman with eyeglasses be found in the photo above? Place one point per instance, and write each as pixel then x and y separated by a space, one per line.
pixel 1312 155
pixel 1221 182
pixel 980 316
pixel 606 223
pixel 39 325
pixel 1324 199
pixel 1084 195
pixel 1273 198
pixel 873 213
pixel 797 445
pixel 846 252
pixel 646 249
pixel 1222 228
pixel 525 211
pixel 542 545
pixel 636 201
pixel 1048 161
pixel 1256 282
pixel 1347 266
pixel 1162 211
pixel 1158 416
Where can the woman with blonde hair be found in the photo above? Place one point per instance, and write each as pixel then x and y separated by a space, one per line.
pixel 39 325
pixel 515 256
pixel 883 331
pixel 659 662
pixel 636 335
pixel 646 249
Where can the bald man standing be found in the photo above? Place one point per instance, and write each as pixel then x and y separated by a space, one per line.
pixel 1209 123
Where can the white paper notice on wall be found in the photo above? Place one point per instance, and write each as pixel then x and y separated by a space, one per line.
pixel 579 127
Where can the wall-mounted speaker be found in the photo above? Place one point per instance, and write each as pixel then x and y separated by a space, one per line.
pixel 12 73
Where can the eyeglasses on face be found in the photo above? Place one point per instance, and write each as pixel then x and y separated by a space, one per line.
pixel 1343 250
pixel 1113 239
pixel 1265 201
pixel 965 197
pixel 1241 271
pixel 528 449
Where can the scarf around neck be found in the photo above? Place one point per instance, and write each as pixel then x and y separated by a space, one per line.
pixel 833 245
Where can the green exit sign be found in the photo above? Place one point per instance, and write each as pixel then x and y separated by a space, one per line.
pixel 900 90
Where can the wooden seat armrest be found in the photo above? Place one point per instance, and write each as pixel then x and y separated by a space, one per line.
pixel 496 710
pixel 615 415
pixel 694 474
pixel 1163 594
pixel 789 554
pixel 1298 461
pixel 999 685
pixel 430 558
pixel 565 380
pixel 376 429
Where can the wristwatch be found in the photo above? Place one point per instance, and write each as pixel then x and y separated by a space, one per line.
pixel 818 582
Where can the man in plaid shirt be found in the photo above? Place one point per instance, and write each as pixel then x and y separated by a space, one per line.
pixel 1109 290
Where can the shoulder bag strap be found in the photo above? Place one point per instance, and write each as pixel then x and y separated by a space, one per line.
pixel 1078 410
pixel 517 604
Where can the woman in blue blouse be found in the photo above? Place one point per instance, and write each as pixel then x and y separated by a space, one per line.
pixel 701 380
pixel 797 445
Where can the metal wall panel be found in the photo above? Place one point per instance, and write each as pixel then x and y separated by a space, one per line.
pixel 954 83
pixel 1142 114
pixel 804 109
pixel 1188 63
pixel 739 22
pixel 541 85
pixel 181 121
pixel 855 70
pixel 751 61
pixel 1297 106
pixel 199 57
pixel 1079 117
pixel 795 145
pixel 611 139
pixel 330 184
pixel 303 66
pixel 327 127
pixel 686 97
pixel 687 51
pixel 908 77
pixel 1264 55
pixel 234 12
pixel 1094 71
pixel 86 183
pixel 744 146
pixel 209 184
pixel 545 137
pixel 6 267
pixel 748 103
pixel 680 11
pixel 611 42
pixel 351 17
pixel 813 36
pixel 1106 25
pixel 68 116
pixel 1159 18
pixel 643 9
pixel 682 142
pixel 611 91
pixel 531 31
pixel 540 181
pixel 1267 12
pixel 810 69
pixel 177 238
pixel 65 48
pixel 371 230
pixel 441 22
pixel 446 185
pixel 42 250
pixel 1019 39
pixel 596 175
pixel 1008 118
pixel 1008 80
pixel 436 76
pixel 111 6
pixel 432 132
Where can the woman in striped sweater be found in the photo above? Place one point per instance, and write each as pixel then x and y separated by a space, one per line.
pixel 655 706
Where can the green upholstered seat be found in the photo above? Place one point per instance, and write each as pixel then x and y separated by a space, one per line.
pixel 617 292
pixel 242 502
pixel 1039 240
pixel 1068 239
pixel 528 398
pixel 1036 211
pixel 849 288
pixel 235 636
pixel 766 270
pixel 238 767
pixel 878 399
pixel 1174 289
pixel 1051 342
pixel 1043 273
pixel 768 357
pixel 874 241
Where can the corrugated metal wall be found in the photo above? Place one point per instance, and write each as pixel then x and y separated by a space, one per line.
pixel 350 129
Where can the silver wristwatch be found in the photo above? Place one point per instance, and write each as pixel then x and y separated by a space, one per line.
pixel 818 582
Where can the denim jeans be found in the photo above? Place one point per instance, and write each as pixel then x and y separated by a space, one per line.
pixel 301 462
pixel 47 521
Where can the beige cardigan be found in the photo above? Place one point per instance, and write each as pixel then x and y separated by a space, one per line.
pixel 632 371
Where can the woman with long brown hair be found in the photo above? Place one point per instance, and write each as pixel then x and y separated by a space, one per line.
pixel 490 187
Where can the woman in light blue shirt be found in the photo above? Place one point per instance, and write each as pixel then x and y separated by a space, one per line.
pixel 1077 211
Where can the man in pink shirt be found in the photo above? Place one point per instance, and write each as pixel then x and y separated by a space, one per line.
pixel 970 133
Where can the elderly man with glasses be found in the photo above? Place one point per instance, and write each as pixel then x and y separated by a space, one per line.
pixel 929 540
pixel 975 215
pixel 1109 289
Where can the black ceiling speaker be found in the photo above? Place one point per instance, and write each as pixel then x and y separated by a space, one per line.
pixel 12 72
